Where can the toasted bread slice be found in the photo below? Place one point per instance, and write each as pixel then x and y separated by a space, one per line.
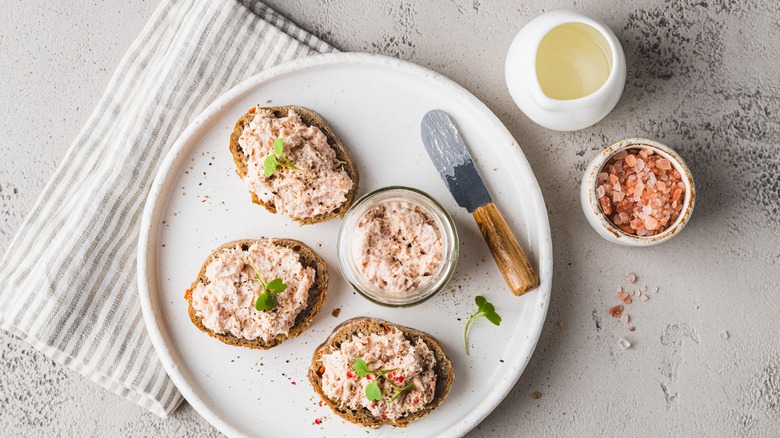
pixel 317 294
pixel 344 332
pixel 310 118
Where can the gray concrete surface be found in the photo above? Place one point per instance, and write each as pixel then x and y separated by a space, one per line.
pixel 703 77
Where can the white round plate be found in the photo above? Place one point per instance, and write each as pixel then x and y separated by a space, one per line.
pixel 375 104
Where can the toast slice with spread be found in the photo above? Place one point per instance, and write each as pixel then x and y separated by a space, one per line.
pixel 315 297
pixel 345 332
pixel 243 157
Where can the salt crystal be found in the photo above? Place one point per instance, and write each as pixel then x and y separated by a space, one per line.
pixel 644 288
pixel 640 164
pixel 643 298
pixel 631 293
pixel 624 343
pixel 724 335
pixel 664 164
pixel 655 291
pixel 631 160
pixel 624 319
pixel 600 191
pixel 651 223
pixel 631 278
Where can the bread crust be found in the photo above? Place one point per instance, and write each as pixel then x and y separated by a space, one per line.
pixel 317 293
pixel 344 332
pixel 310 118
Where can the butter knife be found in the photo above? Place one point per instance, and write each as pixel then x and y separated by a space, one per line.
pixel 453 161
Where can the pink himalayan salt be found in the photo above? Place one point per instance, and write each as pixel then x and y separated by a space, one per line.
pixel 640 192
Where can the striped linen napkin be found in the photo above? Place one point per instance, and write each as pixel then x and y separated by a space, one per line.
pixel 68 280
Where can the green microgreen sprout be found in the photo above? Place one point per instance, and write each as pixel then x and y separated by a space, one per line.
pixel 373 390
pixel 278 159
pixel 484 308
pixel 267 299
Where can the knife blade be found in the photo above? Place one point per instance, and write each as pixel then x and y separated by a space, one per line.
pixel 453 161
pixel 448 152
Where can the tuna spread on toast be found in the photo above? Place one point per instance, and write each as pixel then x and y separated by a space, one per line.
pixel 226 303
pixel 412 362
pixel 320 184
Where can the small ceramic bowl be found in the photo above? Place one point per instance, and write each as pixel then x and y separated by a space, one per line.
pixel 429 287
pixel 602 224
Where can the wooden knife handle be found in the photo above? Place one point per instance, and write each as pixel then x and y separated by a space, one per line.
pixel 510 258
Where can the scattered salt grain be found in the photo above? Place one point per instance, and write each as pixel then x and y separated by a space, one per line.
pixel 655 291
pixel 536 395
pixel 631 293
pixel 624 343
pixel 643 298
pixel 724 335
pixel 624 319
pixel 561 324
pixel 631 278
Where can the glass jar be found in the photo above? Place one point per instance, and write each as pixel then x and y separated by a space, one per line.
pixel 427 287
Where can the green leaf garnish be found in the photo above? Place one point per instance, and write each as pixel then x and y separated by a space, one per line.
pixel 484 308
pixel 276 285
pixel 373 390
pixel 279 146
pixel 360 367
pixel 269 165
pixel 373 393
pixel 267 299
pixel 400 391
pixel 278 159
